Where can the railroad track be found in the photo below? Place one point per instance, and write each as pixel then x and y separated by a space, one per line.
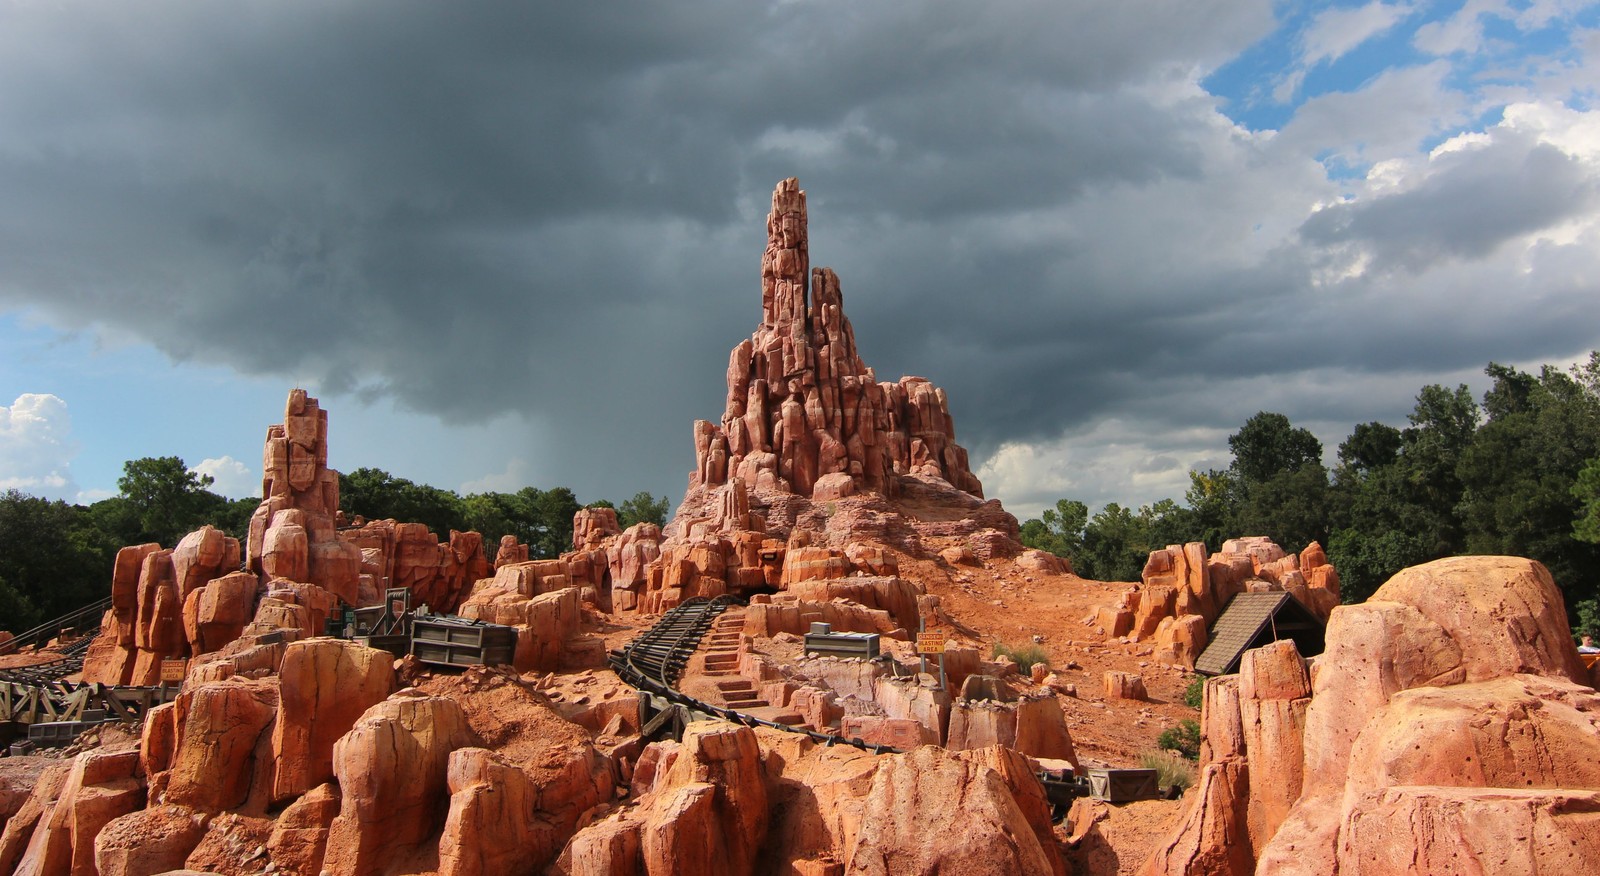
pixel 37 701
pixel 654 661
pixel 70 661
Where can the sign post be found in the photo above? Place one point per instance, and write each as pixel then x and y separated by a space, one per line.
pixel 173 671
pixel 932 642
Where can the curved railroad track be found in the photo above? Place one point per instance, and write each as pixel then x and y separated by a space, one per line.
pixel 654 661
pixel 38 695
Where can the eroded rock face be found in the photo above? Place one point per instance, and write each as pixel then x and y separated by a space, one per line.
pixel 325 686
pixel 802 405
pixel 299 839
pixel 493 825
pixel 810 444
pixel 292 533
pixel 392 768
pixel 1446 732
pixel 1184 588
pixel 101 786
pixel 712 811
pixel 909 825
pixel 216 728
pixel 155 840
pixel 438 572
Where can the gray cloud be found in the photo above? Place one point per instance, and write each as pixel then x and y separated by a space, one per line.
pixel 557 212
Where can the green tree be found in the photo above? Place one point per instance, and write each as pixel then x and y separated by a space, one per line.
pixel 1393 507
pixel 1371 446
pixel 1520 469
pixel 51 557
pixel 1267 445
pixel 1214 496
pixel 377 495
pixel 1116 544
pixel 1059 531
pixel 17 611
pixel 162 500
pixel 1281 482
pixel 642 508
pixel 549 520
pixel 1586 489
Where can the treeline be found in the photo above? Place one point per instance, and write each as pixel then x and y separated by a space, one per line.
pixel 56 557
pixel 1518 473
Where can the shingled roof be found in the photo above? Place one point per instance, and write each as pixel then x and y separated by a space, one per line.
pixel 1254 619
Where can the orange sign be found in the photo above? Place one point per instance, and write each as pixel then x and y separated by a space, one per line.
pixel 173 670
pixel 930 643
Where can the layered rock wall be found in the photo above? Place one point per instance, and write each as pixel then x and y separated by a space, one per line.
pixel 1449 729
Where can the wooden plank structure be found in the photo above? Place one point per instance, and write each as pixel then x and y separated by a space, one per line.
pixel 1255 619
pixel 387 626
pixel 455 642
pixel 55 713
pixel 862 646
pixel 1123 786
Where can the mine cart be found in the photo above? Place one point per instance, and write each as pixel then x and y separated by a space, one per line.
pixel 823 642
pixel 442 640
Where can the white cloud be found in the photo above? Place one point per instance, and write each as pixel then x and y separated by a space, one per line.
pixel 36 447
pixel 1462 32
pixel 514 477
pixel 230 477
pixel 1334 33
pixel 1115 461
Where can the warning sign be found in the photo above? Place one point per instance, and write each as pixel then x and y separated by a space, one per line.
pixel 173 670
pixel 930 642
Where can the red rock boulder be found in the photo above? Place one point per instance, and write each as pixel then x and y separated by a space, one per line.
pixel 392 769
pixel 325 685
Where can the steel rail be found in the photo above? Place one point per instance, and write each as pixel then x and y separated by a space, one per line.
pixel 75 621
pixel 664 650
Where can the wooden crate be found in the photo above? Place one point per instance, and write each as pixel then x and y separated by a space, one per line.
pixel 1123 786
pixel 863 646
pixel 457 642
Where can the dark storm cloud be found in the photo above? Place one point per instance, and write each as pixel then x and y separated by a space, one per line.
pixel 557 210
pixel 1475 201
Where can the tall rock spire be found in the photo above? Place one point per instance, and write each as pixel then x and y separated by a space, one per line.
pixel 802 408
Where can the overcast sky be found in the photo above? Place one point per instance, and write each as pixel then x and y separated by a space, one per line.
pixel 511 244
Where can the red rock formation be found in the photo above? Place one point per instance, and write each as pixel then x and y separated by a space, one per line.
pixel 909 826
pixel 808 431
pixel 292 533
pixel 1448 699
pixel 802 405
pixel 1183 590
pixel 492 826
pixel 439 574
pixel 1124 686
pixel 325 685
pixel 101 786
pixel 592 526
pixel 216 728
pixel 299 838
pixel 511 551
pixel 546 623
pixel 155 840
pixel 628 558
pixel 392 769
pixel 38 807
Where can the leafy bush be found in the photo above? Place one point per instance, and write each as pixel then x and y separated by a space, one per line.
pixel 1172 771
pixel 1184 739
pixel 1025 656
pixel 1195 692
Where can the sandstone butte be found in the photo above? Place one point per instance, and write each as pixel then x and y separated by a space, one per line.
pixel 1448 727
